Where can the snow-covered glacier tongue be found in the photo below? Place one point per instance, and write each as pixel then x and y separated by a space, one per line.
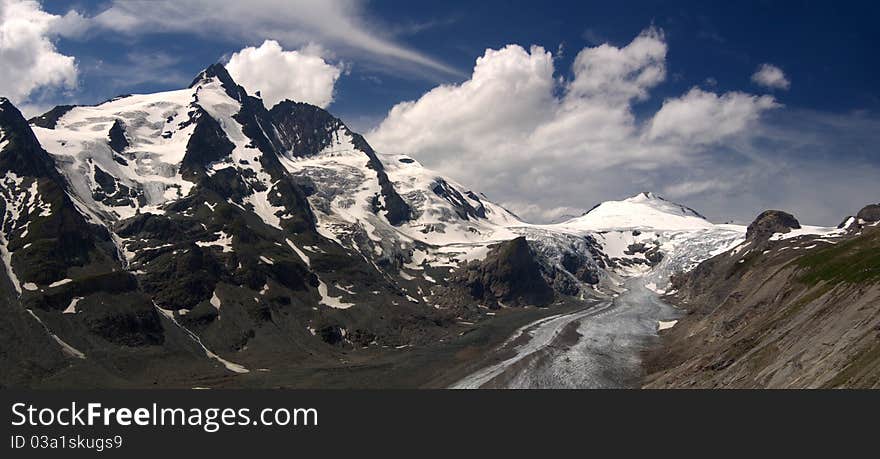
pixel 640 242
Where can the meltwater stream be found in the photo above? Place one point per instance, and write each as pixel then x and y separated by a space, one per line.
pixel 603 353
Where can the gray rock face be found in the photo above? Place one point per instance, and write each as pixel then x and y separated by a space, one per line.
pixel 304 130
pixel 23 155
pixel 870 213
pixel 771 222
pixel 509 275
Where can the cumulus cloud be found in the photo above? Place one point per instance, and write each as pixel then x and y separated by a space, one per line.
pixel 534 141
pixel 301 75
pixel 621 74
pixel 771 76
pixel 29 61
pixel 341 24
pixel 701 117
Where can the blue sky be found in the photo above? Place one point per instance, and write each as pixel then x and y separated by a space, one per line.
pixel 827 48
pixel 822 128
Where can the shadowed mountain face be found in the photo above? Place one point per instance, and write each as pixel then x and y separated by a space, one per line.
pixel 509 275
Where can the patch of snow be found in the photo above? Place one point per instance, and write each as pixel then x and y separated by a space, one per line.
pixel 666 324
pixel 330 301
pixel 215 300
pixel 300 253
pixel 807 230
pixel 71 308
pixel 224 241
pixel 60 283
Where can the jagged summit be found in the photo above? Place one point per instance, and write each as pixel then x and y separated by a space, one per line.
pixel 655 200
pixel 213 71
pixel 20 151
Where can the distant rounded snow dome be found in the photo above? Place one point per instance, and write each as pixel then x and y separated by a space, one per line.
pixel 301 75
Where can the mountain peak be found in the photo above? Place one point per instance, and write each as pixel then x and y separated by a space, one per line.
pixel 21 152
pixel 644 196
pixel 215 71
pixel 645 210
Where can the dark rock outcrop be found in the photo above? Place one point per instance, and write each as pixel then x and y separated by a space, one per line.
pixel 509 275
pixel 207 144
pixel 463 207
pixel 870 213
pixel 50 119
pixel 23 155
pixel 769 223
pixel 577 265
pixel 118 141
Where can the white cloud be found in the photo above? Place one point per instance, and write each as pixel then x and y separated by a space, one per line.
pixel 621 74
pixel 701 117
pixel 510 88
pixel 302 75
pixel 341 24
pixel 771 76
pixel 72 24
pixel 534 141
pixel 29 61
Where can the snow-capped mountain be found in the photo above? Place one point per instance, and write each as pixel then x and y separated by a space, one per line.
pixel 642 211
pixel 211 235
pixel 646 233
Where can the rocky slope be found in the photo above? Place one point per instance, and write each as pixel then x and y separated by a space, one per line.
pixel 790 307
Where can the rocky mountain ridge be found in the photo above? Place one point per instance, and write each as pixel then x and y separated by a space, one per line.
pixel 788 308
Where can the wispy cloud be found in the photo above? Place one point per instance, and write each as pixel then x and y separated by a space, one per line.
pixel 342 25
pixel 137 68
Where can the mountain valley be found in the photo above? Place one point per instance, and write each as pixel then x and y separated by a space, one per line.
pixel 197 238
